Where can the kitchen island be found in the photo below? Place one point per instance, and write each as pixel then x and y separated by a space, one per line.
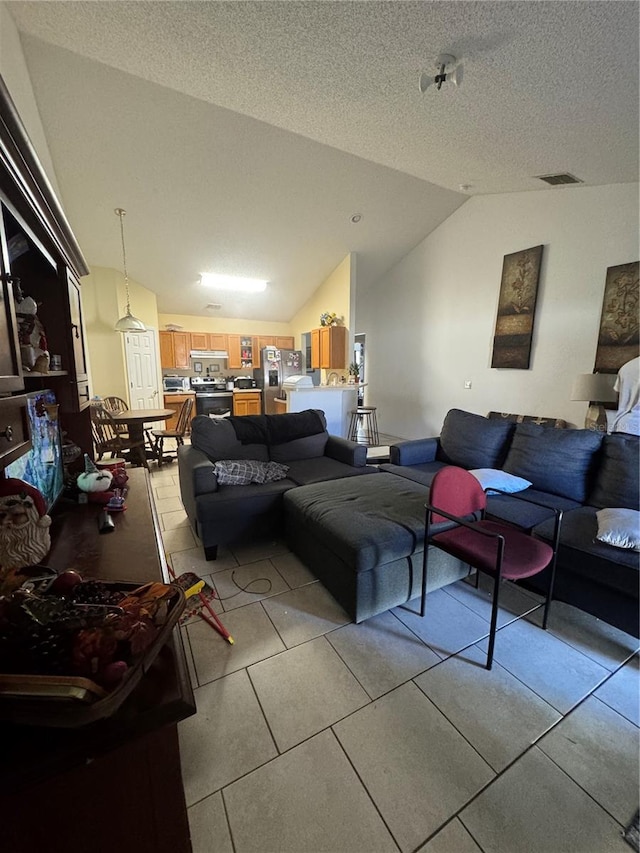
pixel 336 401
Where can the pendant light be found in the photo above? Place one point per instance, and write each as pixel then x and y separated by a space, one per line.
pixel 128 323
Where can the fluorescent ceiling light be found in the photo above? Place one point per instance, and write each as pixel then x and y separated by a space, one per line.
pixel 232 282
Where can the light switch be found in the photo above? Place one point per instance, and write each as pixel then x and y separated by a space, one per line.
pixel 467 384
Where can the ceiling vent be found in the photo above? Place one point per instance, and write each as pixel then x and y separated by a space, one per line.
pixel 213 306
pixel 557 180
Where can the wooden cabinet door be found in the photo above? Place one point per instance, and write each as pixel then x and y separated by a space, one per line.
pixel 284 342
pixel 240 406
pixel 332 347
pixel 234 361
pixel 181 350
pixel 167 358
pixel 199 340
pixel 77 328
pixel 217 341
pixel 10 361
pixel 315 348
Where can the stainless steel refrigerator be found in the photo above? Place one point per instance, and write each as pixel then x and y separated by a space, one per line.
pixel 276 366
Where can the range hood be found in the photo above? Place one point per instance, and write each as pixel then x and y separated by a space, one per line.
pixel 209 353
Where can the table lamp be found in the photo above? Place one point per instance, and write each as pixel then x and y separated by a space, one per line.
pixel 596 388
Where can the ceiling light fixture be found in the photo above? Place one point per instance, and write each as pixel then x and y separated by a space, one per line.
pixel 448 72
pixel 232 282
pixel 128 323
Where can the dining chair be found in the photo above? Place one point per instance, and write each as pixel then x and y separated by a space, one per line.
pixel 182 424
pixel 116 405
pixel 107 439
pixel 497 549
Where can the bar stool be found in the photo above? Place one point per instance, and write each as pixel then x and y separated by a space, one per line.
pixel 367 416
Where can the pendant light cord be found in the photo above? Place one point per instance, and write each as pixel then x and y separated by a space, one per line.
pixel 122 213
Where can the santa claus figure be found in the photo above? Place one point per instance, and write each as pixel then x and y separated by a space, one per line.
pixel 24 525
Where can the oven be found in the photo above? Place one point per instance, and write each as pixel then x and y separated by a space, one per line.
pixel 211 397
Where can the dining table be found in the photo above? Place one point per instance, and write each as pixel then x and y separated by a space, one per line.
pixel 135 420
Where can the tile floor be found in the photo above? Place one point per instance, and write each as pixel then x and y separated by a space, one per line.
pixel 315 735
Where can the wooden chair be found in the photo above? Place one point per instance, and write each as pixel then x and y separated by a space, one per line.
pixel 116 405
pixel 107 439
pixel 492 547
pixel 159 435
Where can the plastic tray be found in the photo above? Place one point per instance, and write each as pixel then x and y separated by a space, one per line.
pixel 70 702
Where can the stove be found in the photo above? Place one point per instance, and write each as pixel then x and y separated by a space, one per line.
pixel 212 398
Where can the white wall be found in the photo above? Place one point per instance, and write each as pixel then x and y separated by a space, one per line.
pixel 429 322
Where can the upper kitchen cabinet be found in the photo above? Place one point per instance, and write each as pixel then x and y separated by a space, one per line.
pixel 208 341
pixel 175 350
pixel 242 351
pixel 329 347
pixel 284 342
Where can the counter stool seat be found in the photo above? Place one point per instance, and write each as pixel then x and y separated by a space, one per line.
pixel 365 415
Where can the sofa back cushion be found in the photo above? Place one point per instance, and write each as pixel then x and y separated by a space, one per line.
pixel 560 461
pixel 217 438
pixel 309 447
pixel 473 441
pixel 616 482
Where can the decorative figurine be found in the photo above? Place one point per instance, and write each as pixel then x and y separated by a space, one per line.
pixel 24 525
pixel 92 479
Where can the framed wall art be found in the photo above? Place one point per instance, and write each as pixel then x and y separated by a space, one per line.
pixel 618 338
pixel 516 309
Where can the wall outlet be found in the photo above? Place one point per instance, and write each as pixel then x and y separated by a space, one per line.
pixel 467 384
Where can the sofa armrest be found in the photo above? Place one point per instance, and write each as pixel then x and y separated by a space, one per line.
pixel 347 451
pixel 415 452
pixel 196 472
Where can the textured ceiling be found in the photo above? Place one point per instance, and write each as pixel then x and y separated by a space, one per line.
pixel 241 136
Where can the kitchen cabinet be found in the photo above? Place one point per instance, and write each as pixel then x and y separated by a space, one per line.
pixel 14 430
pixel 242 352
pixel 329 347
pixel 284 342
pixel 174 402
pixel 208 341
pixel 175 350
pixel 315 348
pixel 247 403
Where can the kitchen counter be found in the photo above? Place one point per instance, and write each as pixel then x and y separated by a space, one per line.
pixel 247 390
pixel 336 401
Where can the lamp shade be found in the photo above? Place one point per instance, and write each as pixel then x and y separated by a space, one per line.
pixel 129 323
pixel 594 387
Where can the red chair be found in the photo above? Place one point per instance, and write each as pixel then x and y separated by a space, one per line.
pixel 493 547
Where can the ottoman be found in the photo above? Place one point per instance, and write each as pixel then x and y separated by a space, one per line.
pixel 363 537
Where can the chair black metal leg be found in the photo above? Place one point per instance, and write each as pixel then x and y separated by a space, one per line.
pixel 425 560
pixel 159 450
pixel 494 621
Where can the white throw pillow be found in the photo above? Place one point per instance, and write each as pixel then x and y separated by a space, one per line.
pixel 619 527
pixel 494 478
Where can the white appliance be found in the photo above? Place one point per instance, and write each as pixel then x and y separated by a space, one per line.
pixel 176 384
pixel 296 383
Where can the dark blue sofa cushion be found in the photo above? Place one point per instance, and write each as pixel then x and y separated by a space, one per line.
pixel 423 473
pixel 319 469
pixel 560 461
pixel 511 509
pixel 473 441
pixel 217 439
pixel 582 553
pixel 617 481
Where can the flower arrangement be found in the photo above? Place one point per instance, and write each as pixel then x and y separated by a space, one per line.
pixel 354 370
pixel 329 318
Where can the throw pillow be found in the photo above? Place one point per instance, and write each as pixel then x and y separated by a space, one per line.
pixel 241 472
pixel 473 441
pixel 619 527
pixel 559 461
pixel 494 478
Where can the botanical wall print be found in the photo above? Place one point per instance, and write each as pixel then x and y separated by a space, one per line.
pixel 516 308
pixel 618 341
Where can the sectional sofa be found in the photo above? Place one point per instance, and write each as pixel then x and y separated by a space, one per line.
pixel 270 454
pixel 577 471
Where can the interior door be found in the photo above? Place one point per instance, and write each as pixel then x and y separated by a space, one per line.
pixel 142 370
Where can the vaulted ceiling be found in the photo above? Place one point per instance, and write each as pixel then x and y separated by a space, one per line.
pixel 241 137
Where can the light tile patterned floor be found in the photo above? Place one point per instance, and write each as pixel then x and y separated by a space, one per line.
pixel 315 735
